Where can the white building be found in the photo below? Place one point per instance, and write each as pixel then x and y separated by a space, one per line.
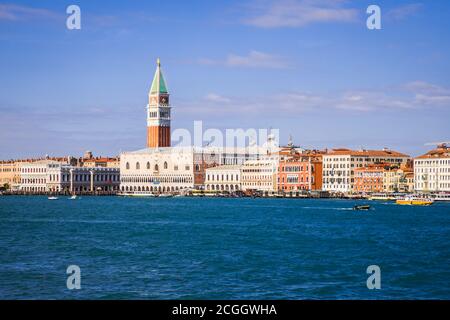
pixel 223 178
pixel 157 170
pixel 172 169
pixel 260 174
pixel 339 166
pixel 432 170
pixel 33 176
pixel 54 176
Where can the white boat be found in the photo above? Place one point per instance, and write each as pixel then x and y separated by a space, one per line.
pixel 441 197
pixel 74 197
pixel 382 197
pixel 137 194
pixel 165 195
pixel 52 198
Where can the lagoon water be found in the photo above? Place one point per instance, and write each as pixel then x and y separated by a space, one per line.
pixel 217 248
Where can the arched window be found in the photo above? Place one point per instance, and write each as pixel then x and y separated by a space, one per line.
pixel 127 166
pixel 148 165
pixel 165 165
pixel 156 167
pixel 138 166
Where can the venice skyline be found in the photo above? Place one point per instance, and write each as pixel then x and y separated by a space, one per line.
pixel 85 89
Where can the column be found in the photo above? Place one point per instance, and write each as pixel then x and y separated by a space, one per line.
pixel 92 180
pixel 71 180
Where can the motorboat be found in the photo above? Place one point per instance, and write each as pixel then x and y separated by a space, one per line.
pixel 361 207
pixel 415 201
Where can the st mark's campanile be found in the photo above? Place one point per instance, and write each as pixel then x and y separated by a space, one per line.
pixel 158 112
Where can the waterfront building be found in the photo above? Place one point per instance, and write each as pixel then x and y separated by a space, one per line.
pixel 224 178
pixel 339 166
pixel 55 176
pixel 260 174
pixel 369 179
pixel 384 177
pixel 34 176
pixel 432 170
pixel 9 174
pixel 173 169
pixel 398 178
pixel 300 171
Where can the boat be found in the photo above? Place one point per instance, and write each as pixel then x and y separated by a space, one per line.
pixel 165 195
pixel 74 197
pixel 52 198
pixel 361 207
pixel 137 194
pixel 441 196
pixel 382 197
pixel 415 201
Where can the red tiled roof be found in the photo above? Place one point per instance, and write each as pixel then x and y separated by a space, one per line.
pixel 367 153
pixel 440 152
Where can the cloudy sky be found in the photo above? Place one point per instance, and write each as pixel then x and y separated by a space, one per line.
pixel 310 68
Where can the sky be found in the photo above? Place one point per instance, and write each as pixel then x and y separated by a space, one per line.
pixel 311 69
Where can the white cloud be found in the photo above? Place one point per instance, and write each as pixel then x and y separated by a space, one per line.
pixel 404 11
pixel 216 98
pixel 410 97
pixel 14 12
pixel 429 94
pixel 254 59
pixel 425 88
pixel 298 13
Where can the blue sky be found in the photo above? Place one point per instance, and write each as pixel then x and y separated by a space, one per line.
pixel 310 68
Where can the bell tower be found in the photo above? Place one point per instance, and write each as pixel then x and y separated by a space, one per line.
pixel 158 112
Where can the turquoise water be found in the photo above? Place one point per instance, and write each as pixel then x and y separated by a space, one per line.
pixel 204 248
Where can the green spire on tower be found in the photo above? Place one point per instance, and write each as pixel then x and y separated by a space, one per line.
pixel 158 84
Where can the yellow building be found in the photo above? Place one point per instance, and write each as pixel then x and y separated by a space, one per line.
pixel 9 174
pixel 397 179
pixel 102 162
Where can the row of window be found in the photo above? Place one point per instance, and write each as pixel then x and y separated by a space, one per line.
pixel 226 177
pixel 432 170
pixel 151 179
pixel 34 170
pixel 296 168
pixel 428 162
pixel 257 170
pixel 432 186
pixel 84 177
pixel 295 179
pixel 156 166
pixel 374 160
pixel 228 187
pixel 162 114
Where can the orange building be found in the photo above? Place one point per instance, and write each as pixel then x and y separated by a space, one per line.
pixel 370 178
pixel 300 171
